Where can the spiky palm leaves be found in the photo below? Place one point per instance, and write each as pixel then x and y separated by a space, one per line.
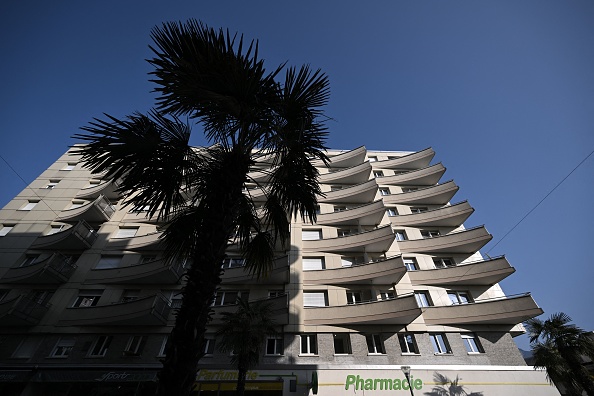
pixel 558 346
pixel 247 116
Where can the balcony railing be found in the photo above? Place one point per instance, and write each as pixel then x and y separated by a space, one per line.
pixel 78 237
pixel 279 274
pixel 463 242
pixel 144 242
pixel 376 240
pixel 439 194
pixel 447 216
pixel 354 175
pixel 386 271
pixel 97 211
pixel 420 177
pixel 367 214
pixel 507 310
pixel 56 269
pixel 417 160
pixel 397 311
pixel 21 311
pixel 345 160
pixel 147 311
pixel 108 189
pixel 153 272
pixel 483 273
pixel 360 193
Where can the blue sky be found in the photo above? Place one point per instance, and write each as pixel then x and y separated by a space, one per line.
pixel 502 90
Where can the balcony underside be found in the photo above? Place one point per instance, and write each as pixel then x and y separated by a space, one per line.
pixel 377 240
pixel 347 159
pixel 78 237
pixel 354 175
pixel 420 177
pixel 97 211
pixel 420 159
pixel 21 311
pixel 389 271
pixel 447 216
pixel 278 275
pixel 483 273
pixel 463 242
pixel 107 189
pixel 505 311
pixel 149 273
pixel 147 311
pixel 370 214
pixel 145 242
pixel 439 194
pixel 360 193
pixel 397 311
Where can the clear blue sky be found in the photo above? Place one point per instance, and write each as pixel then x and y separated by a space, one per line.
pixel 502 90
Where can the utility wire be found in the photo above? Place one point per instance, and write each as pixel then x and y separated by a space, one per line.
pixel 541 201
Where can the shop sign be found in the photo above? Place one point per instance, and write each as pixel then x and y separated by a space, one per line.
pixel 356 382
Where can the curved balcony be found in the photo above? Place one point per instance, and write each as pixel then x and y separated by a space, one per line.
pixel 396 311
pixel 147 311
pixel 439 194
pixel 55 269
pixel 278 275
pixel 346 159
pixel 259 176
pixel 368 214
pixel 506 310
pixel 482 273
pixel 388 271
pixel 21 311
pixel 353 175
pixel 447 216
pixel 78 237
pixel 279 309
pixel 360 193
pixel 107 189
pixel 464 242
pixel 420 159
pixel 376 240
pixel 97 211
pixel 157 271
pixel 256 194
pixel 150 241
pixel 421 177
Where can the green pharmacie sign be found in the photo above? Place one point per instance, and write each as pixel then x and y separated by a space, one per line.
pixel 358 383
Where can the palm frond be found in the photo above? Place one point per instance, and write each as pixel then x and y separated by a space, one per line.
pixel 148 155
pixel 258 252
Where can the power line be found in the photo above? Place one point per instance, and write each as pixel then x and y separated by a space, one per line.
pixel 541 201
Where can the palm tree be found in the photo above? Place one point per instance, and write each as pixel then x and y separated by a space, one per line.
pixel 558 346
pixel 210 76
pixel 244 333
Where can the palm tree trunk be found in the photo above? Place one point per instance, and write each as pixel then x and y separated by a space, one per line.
pixel 241 377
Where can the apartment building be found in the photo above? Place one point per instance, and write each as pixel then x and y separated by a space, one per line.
pixel 388 277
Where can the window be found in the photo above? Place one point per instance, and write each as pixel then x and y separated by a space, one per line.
pixel 387 294
pixel 429 234
pixel 375 346
pixel 440 343
pixel 30 205
pixel 100 346
pixel 309 344
pixel 274 345
pixel 55 228
pixel 174 297
pixel 163 346
pixel 418 209
pixel 209 346
pixel 350 261
pixel 315 299
pixel 229 297
pixel 233 262
pixel 26 348
pixel 3 293
pixel 51 184
pixel 408 343
pixel 336 188
pixel 444 262
pixel 134 346
pixel 342 343
pixel 384 191
pixel 69 166
pixel 126 232
pixel 130 295
pixel 411 264
pixel 354 297
pixel 392 212
pixel 63 347
pixel 409 189
pixel 5 230
pixel 471 343
pixel 106 262
pixel 378 174
pixel 275 293
pixel 342 232
pixel 372 159
pixel 459 297
pixel 423 299
pixel 311 235
pixel 87 298
pixel 400 235
pixel 313 263
pixel 30 259
pixel 339 209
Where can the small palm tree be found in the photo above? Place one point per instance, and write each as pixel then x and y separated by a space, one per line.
pixel 244 333
pixel 247 116
pixel 559 346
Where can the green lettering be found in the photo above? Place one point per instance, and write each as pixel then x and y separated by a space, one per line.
pixel 418 384
pixel 383 384
pixel 350 380
pixel 369 384
pixel 396 385
pixel 405 384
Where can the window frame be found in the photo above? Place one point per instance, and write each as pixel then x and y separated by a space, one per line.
pixel 462 297
pixel 400 235
pixel 323 293
pixel 101 341
pixel 84 296
pixel 406 340
pixel 209 346
pixel 384 191
pixel 5 229
pixel 442 264
pixel 354 297
pixel 310 234
pixel 29 205
pixel 277 344
pixel 313 263
pixel 126 232
pixel 428 234
pixel 114 261
pixel 472 343
pixel 427 302
pixel 440 348
pixel 311 347
pixel 392 211
pixel 346 343
pixel 410 263
pixel 378 174
pixel 66 343
pixel 134 346
pixel 375 342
